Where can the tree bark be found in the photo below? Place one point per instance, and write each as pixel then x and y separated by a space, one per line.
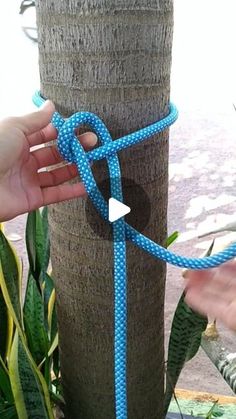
pixel 112 58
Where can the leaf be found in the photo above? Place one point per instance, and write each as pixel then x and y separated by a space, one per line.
pixel 185 339
pixel 5 385
pixel 10 331
pixel 10 278
pixel 46 238
pixel 57 398
pixel 48 287
pixel 10 281
pixel 34 321
pixel 28 393
pixel 171 239
pixel 35 244
pixel 52 316
pixel 6 328
pixel 4 317
pixel 47 372
pixel 9 413
pixel 53 346
pixel 217 410
pixel 51 351
pixel 56 362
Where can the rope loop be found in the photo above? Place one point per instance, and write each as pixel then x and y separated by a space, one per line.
pixel 67 135
pixel 108 149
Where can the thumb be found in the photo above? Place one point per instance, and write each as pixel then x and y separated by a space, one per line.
pixel 37 120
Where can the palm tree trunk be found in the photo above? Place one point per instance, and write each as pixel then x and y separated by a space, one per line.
pixel 112 58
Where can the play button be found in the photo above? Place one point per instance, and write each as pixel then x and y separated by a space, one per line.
pixel 117 209
pixel 136 209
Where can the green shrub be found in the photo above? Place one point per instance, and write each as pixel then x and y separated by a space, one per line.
pixel 29 359
pixel 30 384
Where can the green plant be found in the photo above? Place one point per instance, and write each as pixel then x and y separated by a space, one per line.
pixel 185 339
pixel 215 412
pixel 29 360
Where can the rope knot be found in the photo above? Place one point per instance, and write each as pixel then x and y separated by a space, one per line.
pixel 67 140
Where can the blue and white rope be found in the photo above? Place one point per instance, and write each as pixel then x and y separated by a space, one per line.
pixel 72 151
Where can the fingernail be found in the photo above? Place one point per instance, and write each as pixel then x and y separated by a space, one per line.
pixel 46 105
pixel 185 273
pixel 93 139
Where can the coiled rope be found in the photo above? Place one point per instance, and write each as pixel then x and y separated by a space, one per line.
pixel 72 151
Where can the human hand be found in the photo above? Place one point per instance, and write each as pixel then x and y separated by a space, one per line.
pixel 213 292
pixel 23 187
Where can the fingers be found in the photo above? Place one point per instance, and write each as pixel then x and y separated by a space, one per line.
pixel 200 300
pixel 213 306
pixel 42 136
pixel 227 315
pixel 48 156
pixel 36 121
pixel 213 292
pixel 88 140
pixel 60 193
pixel 58 176
pixel 217 281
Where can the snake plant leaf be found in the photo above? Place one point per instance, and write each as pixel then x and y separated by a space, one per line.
pixel 171 239
pixel 27 390
pixel 6 328
pixel 4 317
pixel 53 348
pixel 52 316
pixel 36 245
pixel 9 413
pixel 46 259
pixel 34 322
pixel 5 385
pixel 10 279
pixel 48 288
pixel 185 339
pixel 56 362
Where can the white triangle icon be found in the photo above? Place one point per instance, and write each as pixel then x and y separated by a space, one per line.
pixel 116 209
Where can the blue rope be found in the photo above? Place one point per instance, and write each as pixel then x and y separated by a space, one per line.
pixel 72 151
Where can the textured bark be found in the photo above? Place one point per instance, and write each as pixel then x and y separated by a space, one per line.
pixel 112 58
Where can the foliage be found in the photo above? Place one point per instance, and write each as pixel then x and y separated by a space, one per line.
pixel 215 411
pixel 29 362
pixel 29 359
pixel 185 339
pixel 172 238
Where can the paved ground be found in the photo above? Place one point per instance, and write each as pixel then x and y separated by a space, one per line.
pixel 202 142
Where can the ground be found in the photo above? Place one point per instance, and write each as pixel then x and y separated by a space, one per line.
pixel 202 142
